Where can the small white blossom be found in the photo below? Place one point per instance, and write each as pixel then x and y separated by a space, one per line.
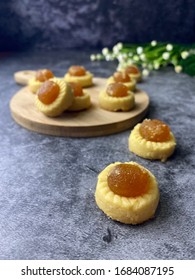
pixel 150 66
pixel 125 55
pixel 108 57
pixel 120 57
pixel 105 51
pixel 119 45
pixel 178 68
pixel 98 56
pixel 136 58
pixel 129 62
pixel 169 47
pixel 122 64
pixel 165 55
pixel 139 50
pixel 184 54
pixel 145 72
pixel 115 49
pixel 92 57
pixel 130 54
pixel 156 65
pixel 153 43
pixel 143 56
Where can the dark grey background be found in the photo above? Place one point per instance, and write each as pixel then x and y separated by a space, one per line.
pixel 47 184
pixel 63 24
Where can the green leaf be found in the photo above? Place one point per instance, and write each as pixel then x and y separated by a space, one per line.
pixel 188 65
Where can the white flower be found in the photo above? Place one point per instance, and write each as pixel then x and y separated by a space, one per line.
pixel 119 45
pixel 156 65
pixel 153 43
pixel 184 54
pixel 93 57
pixel 143 56
pixel 165 55
pixel 105 51
pixel 139 50
pixel 116 49
pixel 130 54
pixel 178 68
pixel 120 57
pixel 145 72
pixel 169 47
pixel 125 55
pixel 98 56
pixel 108 57
pixel 136 58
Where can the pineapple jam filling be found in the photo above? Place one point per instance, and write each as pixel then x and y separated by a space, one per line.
pixel 155 130
pixel 132 70
pixel 43 75
pixel 48 92
pixel 128 180
pixel 77 89
pixel 76 70
pixel 121 77
pixel 117 90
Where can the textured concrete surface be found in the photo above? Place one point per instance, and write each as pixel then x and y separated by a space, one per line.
pixel 47 184
pixel 70 24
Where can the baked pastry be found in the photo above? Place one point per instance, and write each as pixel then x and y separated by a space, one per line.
pixel 78 74
pixel 40 77
pixel 134 72
pixel 124 78
pixel 81 99
pixel 116 97
pixel 53 97
pixel 152 139
pixel 127 192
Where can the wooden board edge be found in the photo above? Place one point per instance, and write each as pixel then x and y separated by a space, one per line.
pixel 103 130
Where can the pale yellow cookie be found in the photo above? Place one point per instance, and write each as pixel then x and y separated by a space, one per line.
pixel 111 103
pixel 150 149
pixel 80 102
pixel 63 101
pixel 137 77
pixel 133 71
pixel 34 85
pixel 85 80
pixel 41 76
pixel 131 85
pixel 128 210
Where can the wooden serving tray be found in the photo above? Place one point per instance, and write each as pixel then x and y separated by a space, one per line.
pixel 87 123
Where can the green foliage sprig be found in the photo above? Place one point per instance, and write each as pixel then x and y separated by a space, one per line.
pixel 151 56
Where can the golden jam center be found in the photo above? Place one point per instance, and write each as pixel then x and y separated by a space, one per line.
pixel 131 69
pixel 128 180
pixel 43 75
pixel 154 130
pixel 117 90
pixel 48 92
pixel 77 89
pixel 121 77
pixel 77 70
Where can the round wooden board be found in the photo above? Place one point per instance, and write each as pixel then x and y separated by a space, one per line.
pixel 88 123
